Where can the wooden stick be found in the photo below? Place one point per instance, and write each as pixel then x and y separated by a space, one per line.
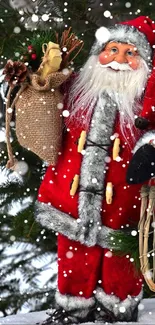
pixel 150 212
pixel 144 196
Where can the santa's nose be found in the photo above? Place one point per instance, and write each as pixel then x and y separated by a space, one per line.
pixel 120 58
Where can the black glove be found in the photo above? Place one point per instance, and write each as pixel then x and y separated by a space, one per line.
pixel 141 123
pixel 142 165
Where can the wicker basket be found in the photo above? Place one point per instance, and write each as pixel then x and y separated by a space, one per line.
pixel 146 228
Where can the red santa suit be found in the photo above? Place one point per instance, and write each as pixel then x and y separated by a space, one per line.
pixel 87 268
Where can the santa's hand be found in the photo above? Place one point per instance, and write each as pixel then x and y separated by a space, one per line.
pixel 142 165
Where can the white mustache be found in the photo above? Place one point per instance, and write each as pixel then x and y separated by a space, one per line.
pixel 117 66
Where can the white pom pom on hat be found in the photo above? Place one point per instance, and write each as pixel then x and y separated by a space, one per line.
pixel 102 35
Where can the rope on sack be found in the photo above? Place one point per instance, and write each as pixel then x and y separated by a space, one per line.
pixel 147 216
pixel 12 161
pixel 45 58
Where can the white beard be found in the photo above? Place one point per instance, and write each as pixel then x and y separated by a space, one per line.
pixel 124 87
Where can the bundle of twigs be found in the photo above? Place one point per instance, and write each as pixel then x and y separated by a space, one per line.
pixel 70 46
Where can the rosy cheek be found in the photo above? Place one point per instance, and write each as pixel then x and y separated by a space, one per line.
pixel 134 63
pixel 104 57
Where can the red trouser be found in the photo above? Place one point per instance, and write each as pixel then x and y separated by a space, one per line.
pixel 81 269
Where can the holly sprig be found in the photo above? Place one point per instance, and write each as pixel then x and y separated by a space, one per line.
pixel 30 52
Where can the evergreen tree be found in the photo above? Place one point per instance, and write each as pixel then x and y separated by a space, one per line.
pixel 21 22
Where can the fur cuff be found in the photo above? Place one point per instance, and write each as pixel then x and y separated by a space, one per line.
pixel 103 237
pixel 73 302
pixel 145 139
pixel 61 222
pixel 121 309
pixel 54 219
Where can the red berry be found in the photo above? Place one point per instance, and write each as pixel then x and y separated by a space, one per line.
pixel 30 47
pixel 33 56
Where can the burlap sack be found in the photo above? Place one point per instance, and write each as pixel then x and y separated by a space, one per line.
pixel 39 116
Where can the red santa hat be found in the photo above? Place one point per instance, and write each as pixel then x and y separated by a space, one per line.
pixel 140 32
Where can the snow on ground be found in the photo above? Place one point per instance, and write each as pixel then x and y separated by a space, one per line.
pixel 146 316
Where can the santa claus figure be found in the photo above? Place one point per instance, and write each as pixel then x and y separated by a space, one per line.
pixel 89 194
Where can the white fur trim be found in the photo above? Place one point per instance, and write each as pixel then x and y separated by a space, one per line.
pixel 114 304
pixel 102 35
pixel 54 219
pixel 104 235
pixel 69 302
pixel 145 139
pixel 93 169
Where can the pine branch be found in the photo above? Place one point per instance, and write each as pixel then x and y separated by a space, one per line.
pixel 123 243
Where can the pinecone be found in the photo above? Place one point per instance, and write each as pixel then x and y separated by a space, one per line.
pixel 15 72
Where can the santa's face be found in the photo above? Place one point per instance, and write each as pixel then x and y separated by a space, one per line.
pixel 121 53
pixel 118 72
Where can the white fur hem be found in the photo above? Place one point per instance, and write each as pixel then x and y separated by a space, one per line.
pixel 145 139
pixel 71 302
pixel 114 304
pixel 63 223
